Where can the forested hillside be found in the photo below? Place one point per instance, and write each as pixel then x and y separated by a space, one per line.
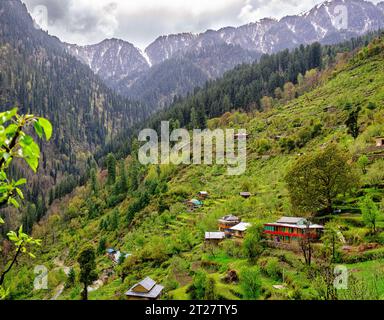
pixel 38 76
pixel 330 108
pixel 248 87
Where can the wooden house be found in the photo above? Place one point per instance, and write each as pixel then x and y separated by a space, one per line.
pixel 226 222
pixel 146 289
pixel 214 237
pixel 202 195
pixel 245 195
pixel 240 229
pixel 288 229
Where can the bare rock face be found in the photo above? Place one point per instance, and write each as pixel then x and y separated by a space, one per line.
pixel 113 60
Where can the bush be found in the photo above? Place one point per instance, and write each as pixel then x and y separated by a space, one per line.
pixel 170 282
pixel 252 244
pixel 232 249
pixel 271 267
pixel 197 289
pixel 250 283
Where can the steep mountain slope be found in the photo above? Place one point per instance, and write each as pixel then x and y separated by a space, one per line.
pixel 215 52
pixel 166 241
pixel 177 76
pixel 324 21
pixel 37 75
pixel 113 60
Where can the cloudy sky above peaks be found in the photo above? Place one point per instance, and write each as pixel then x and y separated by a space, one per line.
pixel 142 21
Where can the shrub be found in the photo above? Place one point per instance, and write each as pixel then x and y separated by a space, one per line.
pixel 232 249
pixel 271 267
pixel 250 283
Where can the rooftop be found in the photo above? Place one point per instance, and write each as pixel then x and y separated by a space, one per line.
pixel 292 220
pixel 153 290
pixel 230 218
pixel 147 283
pixel 214 235
pixel 195 202
pixel 242 226
pixel 303 226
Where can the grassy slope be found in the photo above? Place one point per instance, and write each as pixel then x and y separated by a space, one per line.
pixel 359 82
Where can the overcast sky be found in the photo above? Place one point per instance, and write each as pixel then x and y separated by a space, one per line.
pixel 142 21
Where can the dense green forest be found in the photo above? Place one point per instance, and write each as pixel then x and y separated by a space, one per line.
pixel 38 76
pixel 320 122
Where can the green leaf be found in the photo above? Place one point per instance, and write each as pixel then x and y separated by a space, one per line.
pixel 47 126
pixel 7 115
pixel 20 182
pixel 14 203
pixel 38 129
pixel 20 193
pixel 12 236
pixel 31 151
pixel 1 221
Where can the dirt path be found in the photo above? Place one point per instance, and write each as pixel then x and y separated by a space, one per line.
pixel 59 291
pixel 60 288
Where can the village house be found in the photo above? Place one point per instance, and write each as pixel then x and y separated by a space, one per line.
pixel 379 142
pixel 245 195
pixel 115 255
pixel 110 253
pixel 194 204
pixel 226 222
pixel 146 289
pixel 202 195
pixel 240 229
pixel 288 229
pixel 214 237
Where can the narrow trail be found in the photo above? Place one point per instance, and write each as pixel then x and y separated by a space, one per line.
pixel 60 288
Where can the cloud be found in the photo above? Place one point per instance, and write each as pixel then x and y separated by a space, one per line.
pixel 141 22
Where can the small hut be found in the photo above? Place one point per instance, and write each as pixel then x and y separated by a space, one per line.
pixel 379 142
pixel 202 195
pixel 194 204
pixel 146 289
pixel 111 253
pixel 245 195
pixel 214 237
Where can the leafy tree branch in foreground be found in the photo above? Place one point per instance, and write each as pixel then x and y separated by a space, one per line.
pixel 16 143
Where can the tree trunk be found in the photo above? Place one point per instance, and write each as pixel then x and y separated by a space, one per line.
pixel 84 293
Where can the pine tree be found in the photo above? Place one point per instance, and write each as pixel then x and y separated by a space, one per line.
pixel 123 184
pixel 88 274
pixel 94 184
pixel 111 167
